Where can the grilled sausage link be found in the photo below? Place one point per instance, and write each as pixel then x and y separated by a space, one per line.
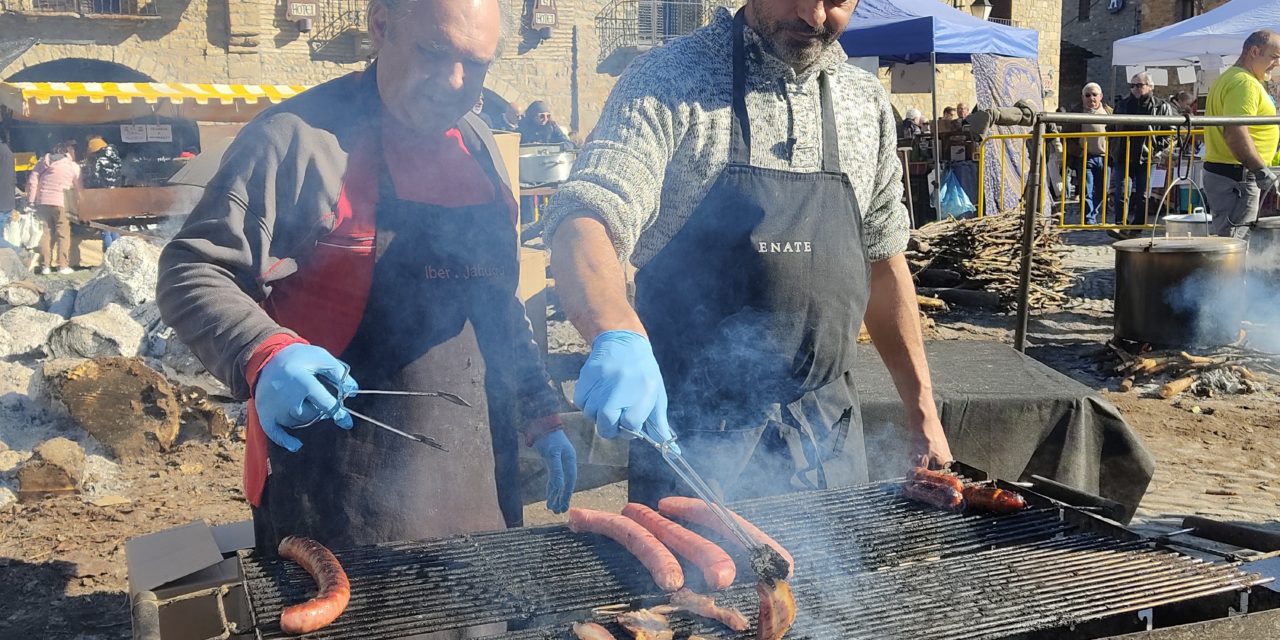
pixel 934 494
pixel 922 473
pixel 993 499
pixel 717 567
pixel 331 582
pixel 663 566
pixel 591 631
pixel 697 512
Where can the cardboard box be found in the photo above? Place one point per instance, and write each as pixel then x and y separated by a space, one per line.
pixel 187 559
pixel 509 147
pixel 532 290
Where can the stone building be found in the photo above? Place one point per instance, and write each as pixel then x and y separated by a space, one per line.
pixel 1089 27
pixel 955 82
pixel 255 42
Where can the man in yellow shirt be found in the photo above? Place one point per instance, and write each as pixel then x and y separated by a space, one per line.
pixel 1237 174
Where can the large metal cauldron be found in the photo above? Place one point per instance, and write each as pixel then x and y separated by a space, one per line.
pixel 1264 245
pixel 1180 291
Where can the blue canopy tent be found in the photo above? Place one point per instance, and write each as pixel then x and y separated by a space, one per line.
pixel 912 31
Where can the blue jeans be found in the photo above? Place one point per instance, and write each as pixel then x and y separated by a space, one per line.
pixel 1136 189
pixel 1095 173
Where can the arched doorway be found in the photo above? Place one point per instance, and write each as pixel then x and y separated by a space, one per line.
pixel 78 70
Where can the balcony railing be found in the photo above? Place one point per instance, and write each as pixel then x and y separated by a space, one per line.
pixel 336 19
pixel 642 24
pixel 95 8
pixel 1008 22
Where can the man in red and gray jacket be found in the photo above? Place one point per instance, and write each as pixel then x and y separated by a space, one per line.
pixel 365 230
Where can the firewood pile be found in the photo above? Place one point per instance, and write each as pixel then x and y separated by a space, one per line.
pixel 1229 370
pixel 975 262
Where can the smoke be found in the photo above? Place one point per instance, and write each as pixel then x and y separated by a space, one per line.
pixel 1216 305
pixel 1211 303
pixel 1263 297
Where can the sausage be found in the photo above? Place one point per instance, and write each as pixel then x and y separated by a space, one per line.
pixel 697 512
pixel 663 566
pixel 933 494
pixel 777 610
pixel 591 631
pixel 717 567
pixel 993 499
pixel 334 591
pixel 922 473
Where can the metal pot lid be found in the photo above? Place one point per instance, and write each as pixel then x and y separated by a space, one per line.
pixel 1268 223
pixel 1181 245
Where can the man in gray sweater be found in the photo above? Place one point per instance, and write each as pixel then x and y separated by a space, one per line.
pixel 751 176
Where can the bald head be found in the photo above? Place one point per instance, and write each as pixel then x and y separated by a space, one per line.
pixel 1261 53
pixel 433 56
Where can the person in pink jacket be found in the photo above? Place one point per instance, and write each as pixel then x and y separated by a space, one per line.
pixel 56 172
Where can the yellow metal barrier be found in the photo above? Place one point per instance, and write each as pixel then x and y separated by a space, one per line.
pixel 1169 163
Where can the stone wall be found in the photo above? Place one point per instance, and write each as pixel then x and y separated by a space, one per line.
pixel 1087 41
pixel 250 41
pixel 955 81
pixel 1162 13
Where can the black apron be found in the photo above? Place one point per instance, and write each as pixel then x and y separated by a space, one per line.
pixel 753 309
pixel 440 274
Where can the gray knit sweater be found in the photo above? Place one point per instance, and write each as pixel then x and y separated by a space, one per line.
pixel 664 138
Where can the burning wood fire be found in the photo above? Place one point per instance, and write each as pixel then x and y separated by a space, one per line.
pixel 1232 369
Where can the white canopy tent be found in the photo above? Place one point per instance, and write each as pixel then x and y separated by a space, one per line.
pixel 1220 32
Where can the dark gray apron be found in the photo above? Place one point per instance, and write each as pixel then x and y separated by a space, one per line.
pixel 753 310
pixel 439 276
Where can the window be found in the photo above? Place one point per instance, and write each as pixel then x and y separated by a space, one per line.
pixel 1187 9
pixel 1084 10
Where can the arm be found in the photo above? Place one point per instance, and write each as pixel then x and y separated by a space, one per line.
pixel 595 221
pixel 1241 145
pixel 590 279
pixel 33 182
pixel 613 194
pixel 893 320
pixel 214 273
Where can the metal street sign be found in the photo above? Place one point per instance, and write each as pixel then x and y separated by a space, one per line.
pixel 301 10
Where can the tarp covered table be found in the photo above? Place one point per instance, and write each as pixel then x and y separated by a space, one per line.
pixel 1012 416
pixel 1003 412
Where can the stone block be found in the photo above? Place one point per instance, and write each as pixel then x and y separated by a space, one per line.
pixel 106 332
pixel 61 302
pixel 127 277
pixel 57 467
pixel 127 406
pixel 28 329
pixel 23 293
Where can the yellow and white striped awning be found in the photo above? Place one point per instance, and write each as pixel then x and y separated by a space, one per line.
pixel 97 102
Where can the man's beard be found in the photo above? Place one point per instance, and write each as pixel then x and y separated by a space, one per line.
pixel 801 53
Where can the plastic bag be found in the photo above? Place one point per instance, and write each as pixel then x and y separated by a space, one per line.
pixel 23 229
pixel 953 201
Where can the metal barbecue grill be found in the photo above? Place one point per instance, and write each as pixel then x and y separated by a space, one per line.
pixel 869 564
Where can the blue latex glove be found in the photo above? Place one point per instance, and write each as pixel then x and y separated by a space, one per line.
pixel 289 393
pixel 621 385
pixel 562 468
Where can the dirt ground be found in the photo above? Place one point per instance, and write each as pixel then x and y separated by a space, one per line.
pixel 62 560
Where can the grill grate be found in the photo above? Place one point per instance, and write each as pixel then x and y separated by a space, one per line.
pixel 869 565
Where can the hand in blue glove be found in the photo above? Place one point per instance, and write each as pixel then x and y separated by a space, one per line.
pixel 562 468
pixel 289 393
pixel 621 385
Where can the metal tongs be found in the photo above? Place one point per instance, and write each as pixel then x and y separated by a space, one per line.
pixel 416 437
pixel 768 564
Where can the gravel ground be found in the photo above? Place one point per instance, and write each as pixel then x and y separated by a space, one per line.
pixel 62 560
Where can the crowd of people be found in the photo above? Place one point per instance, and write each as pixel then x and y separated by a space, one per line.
pixel 1238 160
pixel 914 124
pixel 536 124
pixel 55 173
